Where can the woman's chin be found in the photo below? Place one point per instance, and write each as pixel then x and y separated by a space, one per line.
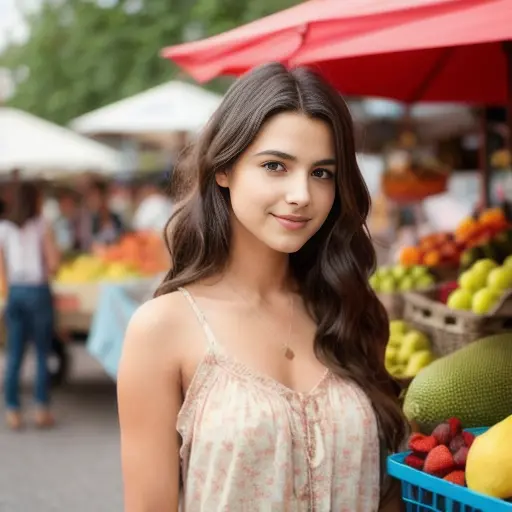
pixel 286 246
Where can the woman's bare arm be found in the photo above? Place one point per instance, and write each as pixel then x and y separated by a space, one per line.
pixel 51 251
pixel 149 398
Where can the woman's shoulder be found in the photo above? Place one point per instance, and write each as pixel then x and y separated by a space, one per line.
pixel 160 323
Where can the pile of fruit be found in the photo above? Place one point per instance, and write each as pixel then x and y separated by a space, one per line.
pixel 489 232
pixel 443 453
pixel 482 463
pixel 143 251
pixel 401 278
pixel 135 255
pixel 87 268
pixel 481 286
pixel 408 351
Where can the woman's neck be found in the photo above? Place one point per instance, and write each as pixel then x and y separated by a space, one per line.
pixel 255 268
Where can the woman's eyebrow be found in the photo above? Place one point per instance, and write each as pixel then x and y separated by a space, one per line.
pixel 286 156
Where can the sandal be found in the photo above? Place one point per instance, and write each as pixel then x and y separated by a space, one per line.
pixel 14 420
pixel 43 418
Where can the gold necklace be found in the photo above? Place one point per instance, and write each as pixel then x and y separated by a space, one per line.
pixel 285 347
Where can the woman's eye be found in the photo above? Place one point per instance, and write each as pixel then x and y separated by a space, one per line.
pixel 323 174
pixel 274 166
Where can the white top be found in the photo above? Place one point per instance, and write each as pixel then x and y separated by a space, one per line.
pixel 153 213
pixel 22 249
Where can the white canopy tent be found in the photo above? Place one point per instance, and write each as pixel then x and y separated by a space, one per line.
pixel 39 148
pixel 171 107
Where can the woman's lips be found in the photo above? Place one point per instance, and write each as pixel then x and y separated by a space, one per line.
pixel 291 222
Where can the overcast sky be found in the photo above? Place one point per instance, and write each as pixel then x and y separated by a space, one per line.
pixel 11 24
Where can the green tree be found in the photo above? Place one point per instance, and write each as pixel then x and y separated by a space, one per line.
pixel 83 54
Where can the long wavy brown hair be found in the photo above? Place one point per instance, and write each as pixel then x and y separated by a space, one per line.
pixel 332 268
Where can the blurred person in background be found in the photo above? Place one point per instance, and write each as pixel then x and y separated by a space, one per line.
pixel 102 225
pixel 28 258
pixel 67 223
pixel 154 208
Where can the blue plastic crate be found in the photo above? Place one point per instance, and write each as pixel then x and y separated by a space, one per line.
pixel 422 492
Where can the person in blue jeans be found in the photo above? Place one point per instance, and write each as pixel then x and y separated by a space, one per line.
pixel 28 258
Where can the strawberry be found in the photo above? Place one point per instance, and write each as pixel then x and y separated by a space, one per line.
pixel 456 443
pixel 455 426
pixel 415 461
pixel 439 461
pixel 461 456
pixel 456 477
pixel 421 443
pixel 442 433
pixel 468 438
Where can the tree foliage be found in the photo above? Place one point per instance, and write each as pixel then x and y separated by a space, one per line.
pixel 83 54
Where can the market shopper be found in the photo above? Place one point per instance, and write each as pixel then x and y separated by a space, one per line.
pixel 102 225
pixel 28 257
pixel 154 207
pixel 256 376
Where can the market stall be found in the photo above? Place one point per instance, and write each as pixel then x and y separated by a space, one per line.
pixel 450 343
pixel 40 149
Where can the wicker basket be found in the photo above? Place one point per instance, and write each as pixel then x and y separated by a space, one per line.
pixel 449 329
pixel 394 304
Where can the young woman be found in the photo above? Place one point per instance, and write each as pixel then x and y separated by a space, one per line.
pixel 28 256
pixel 255 380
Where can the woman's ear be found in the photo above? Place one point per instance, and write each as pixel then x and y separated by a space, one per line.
pixel 222 179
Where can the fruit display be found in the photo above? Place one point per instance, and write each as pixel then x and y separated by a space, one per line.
pixel 412 172
pixel 489 461
pixel 87 268
pixel 407 352
pixel 443 453
pixel 481 287
pixel 143 251
pixel 135 255
pixel 487 236
pixel 474 384
pixel 400 278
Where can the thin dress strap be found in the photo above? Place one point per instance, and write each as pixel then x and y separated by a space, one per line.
pixel 200 316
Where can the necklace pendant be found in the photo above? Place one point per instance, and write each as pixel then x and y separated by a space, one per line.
pixel 288 353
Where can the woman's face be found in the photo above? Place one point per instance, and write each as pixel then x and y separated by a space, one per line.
pixel 282 188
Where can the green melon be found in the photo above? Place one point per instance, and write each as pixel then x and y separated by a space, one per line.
pixel 473 384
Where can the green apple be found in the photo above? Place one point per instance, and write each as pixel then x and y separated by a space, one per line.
pixel 388 285
pixel 417 362
pixel 412 342
pixel 406 284
pixel 484 266
pixel 399 272
pixel 424 281
pixel 472 281
pixel 460 299
pixel 484 300
pixel 397 328
pixel 395 341
pixel 508 261
pixel 418 271
pixel 383 272
pixel 391 354
pixel 500 278
pixel 375 282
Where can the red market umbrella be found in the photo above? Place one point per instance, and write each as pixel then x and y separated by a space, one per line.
pixel 305 29
pixel 458 56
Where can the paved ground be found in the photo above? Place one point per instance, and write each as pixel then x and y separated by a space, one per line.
pixel 74 468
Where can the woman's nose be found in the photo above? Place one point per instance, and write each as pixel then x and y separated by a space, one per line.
pixel 298 192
